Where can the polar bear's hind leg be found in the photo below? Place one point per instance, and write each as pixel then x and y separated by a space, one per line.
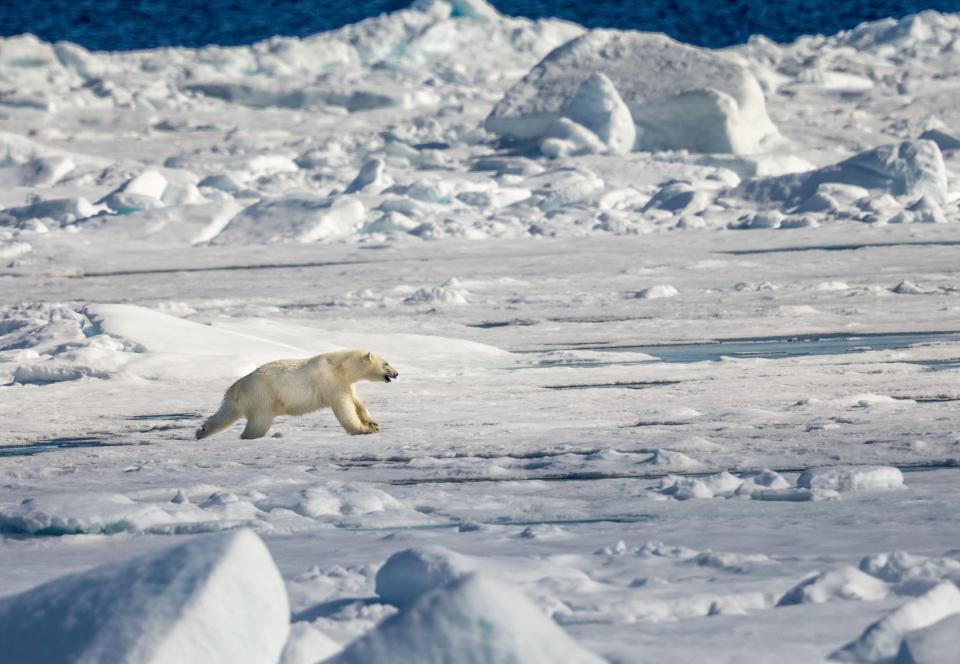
pixel 258 423
pixel 223 418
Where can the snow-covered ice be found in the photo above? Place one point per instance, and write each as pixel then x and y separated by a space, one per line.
pixel 677 330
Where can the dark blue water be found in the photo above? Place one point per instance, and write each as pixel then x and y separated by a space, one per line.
pixel 132 24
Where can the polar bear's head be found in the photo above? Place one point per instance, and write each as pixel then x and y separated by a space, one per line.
pixel 375 368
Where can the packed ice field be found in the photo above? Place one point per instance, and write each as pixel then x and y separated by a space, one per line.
pixel 678 336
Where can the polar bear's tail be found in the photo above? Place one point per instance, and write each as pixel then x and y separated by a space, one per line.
pixel 227 415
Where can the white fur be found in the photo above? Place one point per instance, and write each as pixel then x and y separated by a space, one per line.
pixel 297 387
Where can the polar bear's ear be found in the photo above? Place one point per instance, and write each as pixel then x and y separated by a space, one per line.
pixel 369 356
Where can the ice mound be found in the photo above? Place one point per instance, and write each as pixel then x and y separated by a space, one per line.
pixel 218 598
pixel 103 340
pixel 25 162
pixel 761 484
pixel 657 292
pixel 673 459
pixel 678 96
pixel 910 169
pixel 936 644
pixel 725 560
pixel 143 192
pixel 847 583
pixel 793 494
pixel 563 186
pixel 370 175
pixel 14 250
pixel 334 499
pixel 450 292
pixel 67 513
pixel 411 573
pixel 60 210
pixel 294 218
pixel 598 107
pixel 907 287
pixel 880 642
pixel 109 513
pixel 473 619
pixel 851 478
pixel 761 479
pixel 684 488
pixel 902 567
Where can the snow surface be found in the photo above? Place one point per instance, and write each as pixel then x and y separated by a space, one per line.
pixel 689 406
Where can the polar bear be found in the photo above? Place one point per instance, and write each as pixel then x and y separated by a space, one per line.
pixel 297 387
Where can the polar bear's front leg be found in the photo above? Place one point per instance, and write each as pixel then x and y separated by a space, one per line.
pixel 346 412
pixel 364 414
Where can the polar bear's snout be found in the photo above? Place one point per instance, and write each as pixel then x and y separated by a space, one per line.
pixel 390 374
